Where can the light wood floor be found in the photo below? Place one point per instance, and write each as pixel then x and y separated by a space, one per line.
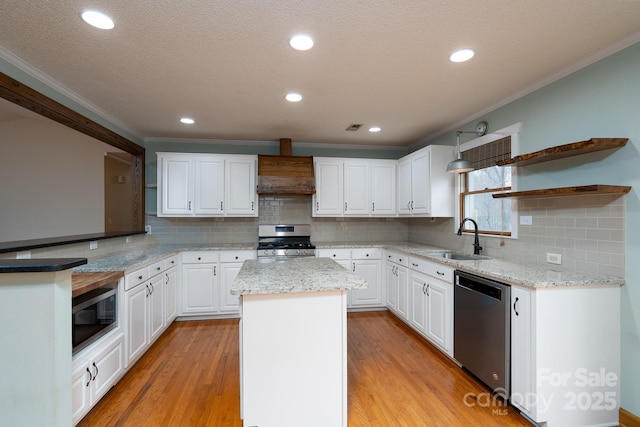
pixel 190 377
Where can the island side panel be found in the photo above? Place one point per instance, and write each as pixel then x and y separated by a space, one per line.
pixel 294 359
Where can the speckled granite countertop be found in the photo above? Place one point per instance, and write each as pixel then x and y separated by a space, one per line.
pixel 142 256
pixel 533 276
pixel 306 274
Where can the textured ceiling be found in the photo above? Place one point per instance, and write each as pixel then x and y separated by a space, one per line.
pixel 227 63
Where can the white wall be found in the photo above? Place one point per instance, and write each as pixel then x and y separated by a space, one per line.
pixel 51 181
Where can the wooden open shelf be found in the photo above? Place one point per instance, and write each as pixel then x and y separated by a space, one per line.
pixel 567 150
pixel 567 191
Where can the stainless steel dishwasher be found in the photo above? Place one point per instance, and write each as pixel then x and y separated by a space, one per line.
pixel 482 328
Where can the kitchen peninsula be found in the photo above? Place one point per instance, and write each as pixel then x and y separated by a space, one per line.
pixel 293 341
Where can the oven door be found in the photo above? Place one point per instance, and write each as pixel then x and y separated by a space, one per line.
pixel 93 315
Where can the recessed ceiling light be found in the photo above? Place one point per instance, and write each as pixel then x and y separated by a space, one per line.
pixel 462 55
pixel 301 42
pixel 97 19
pixel 374 129
pixel 293 97
pixel 187 121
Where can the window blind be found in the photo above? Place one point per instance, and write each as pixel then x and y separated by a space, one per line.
pixel 486 155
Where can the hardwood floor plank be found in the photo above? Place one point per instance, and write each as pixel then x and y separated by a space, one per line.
pixel 190 377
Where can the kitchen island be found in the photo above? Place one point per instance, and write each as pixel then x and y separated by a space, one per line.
pixel 293 341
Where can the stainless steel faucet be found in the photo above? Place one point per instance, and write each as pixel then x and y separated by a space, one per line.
pixel 476 243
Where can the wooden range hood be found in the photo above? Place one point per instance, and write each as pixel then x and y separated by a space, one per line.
pixel 285 174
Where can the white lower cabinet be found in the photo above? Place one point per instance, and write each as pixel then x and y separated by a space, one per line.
pixel 207 278
pixel 397 280
pixel 431 305
pixel 150 295
pixel 95 371
pixel 200 283
pixel 565 355
pixel 367 264
pixel 230 265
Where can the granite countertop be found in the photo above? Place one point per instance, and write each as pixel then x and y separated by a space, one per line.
pixel 533 276
pixel 305 274
pixel 141 256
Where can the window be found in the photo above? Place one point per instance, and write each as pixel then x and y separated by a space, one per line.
pixel 493 216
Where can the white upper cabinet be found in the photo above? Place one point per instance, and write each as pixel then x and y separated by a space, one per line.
pixel 383 192
pixel 424 186
pixel 192 184
pixel 240 188
pixel 176 181
pixel 355 187
pixel 209 185
pixel 329 193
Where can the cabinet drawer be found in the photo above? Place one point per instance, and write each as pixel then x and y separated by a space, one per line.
pixel 156 268
pixel 205 257
pixel 334 253
pixel 398 258
pixel 432 269
pixel 134 278
pixel 372 253
pixel 172 261
pixel 237 256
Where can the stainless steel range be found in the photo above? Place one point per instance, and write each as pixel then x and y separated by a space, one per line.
pixel 284 241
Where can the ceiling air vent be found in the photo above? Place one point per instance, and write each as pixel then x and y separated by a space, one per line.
pixel 354 127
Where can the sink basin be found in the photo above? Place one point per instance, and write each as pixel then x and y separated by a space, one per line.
pixel 460 256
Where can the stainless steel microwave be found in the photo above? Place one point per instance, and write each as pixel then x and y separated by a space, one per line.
pixel 94 314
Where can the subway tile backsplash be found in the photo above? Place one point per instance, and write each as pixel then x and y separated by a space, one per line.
pixel 587 231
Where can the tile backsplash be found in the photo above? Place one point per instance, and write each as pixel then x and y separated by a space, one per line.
pixel 587 231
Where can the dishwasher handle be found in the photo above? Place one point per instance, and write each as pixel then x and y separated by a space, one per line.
pixel 484 287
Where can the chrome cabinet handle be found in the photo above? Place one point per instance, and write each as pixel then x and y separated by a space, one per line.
pixel 439 273
pixel 354 266
pixel 345 206
pixel 214 270
pixel 427 291
pixel 167 280
pixel 414 264
pixel 147 293
pixel 252 205
pixel 96 374
pixel 189 205
pixel 515 309
pixel 90 377
pixel 317 205
pixel 221 206
pixel 373 207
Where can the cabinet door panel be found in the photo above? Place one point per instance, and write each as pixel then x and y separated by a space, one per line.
pixel 156 306
pixel 521 352
pixel 383 194
pixel 80 382
pixel 420 183
pixel 240 189
pixel 371 271
pixel 109 365
pixel 198 289
pixel 176 183
pixel 356 188
pixel 170 292
pixel 329 195
pixel 392 287
pixel 137 317
pixel 418 308
pixel 439 312
pixel 229 272
pixel 209 186
pixel 402 277
pixel 404 187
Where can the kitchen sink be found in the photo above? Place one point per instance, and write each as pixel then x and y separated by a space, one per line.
pixel 458 256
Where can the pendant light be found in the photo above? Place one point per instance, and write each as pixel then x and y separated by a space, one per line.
pixel 459 165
